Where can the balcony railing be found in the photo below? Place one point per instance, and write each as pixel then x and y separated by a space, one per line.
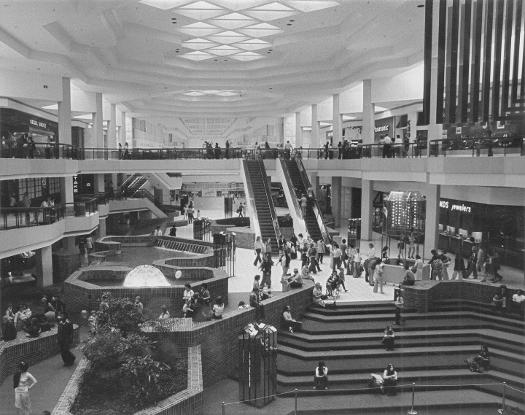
pixel 468 147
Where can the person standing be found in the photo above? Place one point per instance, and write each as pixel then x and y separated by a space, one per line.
pixel 379 278
pixel 303 202
pixel 65 339
pixel 321 250
pixel 268 247
pixel 23 381
pixel 139 306
pixel 266 268
pixel 240 210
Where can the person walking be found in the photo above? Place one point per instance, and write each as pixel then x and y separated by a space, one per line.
pixel 459 267
pixel 23 381
pixel 257 247
pixel 321 250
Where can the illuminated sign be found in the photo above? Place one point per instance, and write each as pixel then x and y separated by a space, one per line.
pixel 382 129
pixel 75 184
pixel 39 124
pixel 445 204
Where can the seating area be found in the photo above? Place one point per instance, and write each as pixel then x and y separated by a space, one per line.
pixel 430 351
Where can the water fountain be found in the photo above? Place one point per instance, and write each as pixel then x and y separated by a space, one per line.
pixel 145 276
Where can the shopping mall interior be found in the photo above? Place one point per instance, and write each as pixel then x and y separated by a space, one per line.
pixel 262 207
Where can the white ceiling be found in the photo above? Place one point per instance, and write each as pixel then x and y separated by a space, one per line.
pixel 259 57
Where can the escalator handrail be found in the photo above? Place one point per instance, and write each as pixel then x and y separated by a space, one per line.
pixel 315 206
pixel 250 200
pixel 291 187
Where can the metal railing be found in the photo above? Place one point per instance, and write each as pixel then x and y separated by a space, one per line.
pixel 500 390
pixel 19 217
pixel 468 147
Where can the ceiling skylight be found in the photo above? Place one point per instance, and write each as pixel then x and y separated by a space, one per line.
pixel 213 92
pixel 197 56
pixel 238 23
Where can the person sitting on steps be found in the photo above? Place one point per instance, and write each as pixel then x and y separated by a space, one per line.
pixel 321 376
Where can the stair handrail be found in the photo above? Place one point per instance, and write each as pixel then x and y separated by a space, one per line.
pixel 315 205
pixel 275 220
pixel 125 184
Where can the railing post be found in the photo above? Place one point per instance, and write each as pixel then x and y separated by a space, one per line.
pixel 503 398
pixel 412 411
pixel 223 408
pixel 295 401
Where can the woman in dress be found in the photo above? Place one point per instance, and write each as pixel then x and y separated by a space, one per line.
pixel 22 382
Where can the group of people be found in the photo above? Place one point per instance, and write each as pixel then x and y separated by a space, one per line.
pixel 200 301
pixel 32 323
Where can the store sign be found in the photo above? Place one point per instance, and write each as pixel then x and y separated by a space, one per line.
pixel 382 127
pixel 38 124
pixel 455 207
pixel 75 184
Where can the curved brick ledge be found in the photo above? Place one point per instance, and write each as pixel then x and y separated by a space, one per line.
pixel 187 401
pixel 30 350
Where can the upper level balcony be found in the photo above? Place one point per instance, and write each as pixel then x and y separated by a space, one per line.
pixel 473 161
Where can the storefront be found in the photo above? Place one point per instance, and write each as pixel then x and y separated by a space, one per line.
pixel 14 123
pixel 495 227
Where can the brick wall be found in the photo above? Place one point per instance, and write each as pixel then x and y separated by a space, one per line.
pixel 30 350
pixel 188 401
pixel 421 296
pixel 64 263
pixel 80 294
pixel 219 338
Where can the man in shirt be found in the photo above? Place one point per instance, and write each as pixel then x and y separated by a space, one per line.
pixel 266 268
pixel 370 258
pixel 387 146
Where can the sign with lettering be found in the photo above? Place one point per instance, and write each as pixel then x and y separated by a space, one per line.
pixel 38 124
pixel 75 184
pixel 382 127
pixel 455 206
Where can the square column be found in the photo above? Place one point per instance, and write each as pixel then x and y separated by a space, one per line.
pixel 67 195
pixel 280 130
pixel 367 132
pixel 100 186
pixel 431 219
pixel 315 128
pixel 98 121
pixel 44 265
pixel 337 197
pixel 64 113
pixel 112 127
pixel 366 209
pixel 298 130
pixel 122 137
pixel 314 181
pixel 336 117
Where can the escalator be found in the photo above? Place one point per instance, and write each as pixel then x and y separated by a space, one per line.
pixel 300 183
pixel 132 184
pixel 259 200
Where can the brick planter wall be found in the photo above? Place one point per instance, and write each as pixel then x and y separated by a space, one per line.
pixel 81 294
pixel 187 401
pixel 30 350
pixel 421 296
pixel 218 338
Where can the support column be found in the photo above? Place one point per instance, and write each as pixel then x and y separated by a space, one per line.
pixel 112 127
pixel 67 195
pixel 64 113
pixel 123 128
pixel 100 186
pixel 280 130
pixel 315 128
pixel 336 117
pixel 314 181
pixel 44 266
pixel 366 209
pixel 368 113
pixel 98 121
pixel 431 218
pixel 102 227
pixel 114 181
pixel 435 130
pixel 298 130
pixel 337 197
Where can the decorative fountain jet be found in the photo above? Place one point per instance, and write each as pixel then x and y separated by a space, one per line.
pixel 145 276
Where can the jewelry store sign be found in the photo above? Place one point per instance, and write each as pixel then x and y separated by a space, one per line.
pixel 455 207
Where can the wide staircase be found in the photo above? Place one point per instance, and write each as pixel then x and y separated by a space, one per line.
pixel 259 190
pixel 301 184
pixel 429 354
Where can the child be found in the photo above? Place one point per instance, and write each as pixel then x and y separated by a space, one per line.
pixel 341 280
